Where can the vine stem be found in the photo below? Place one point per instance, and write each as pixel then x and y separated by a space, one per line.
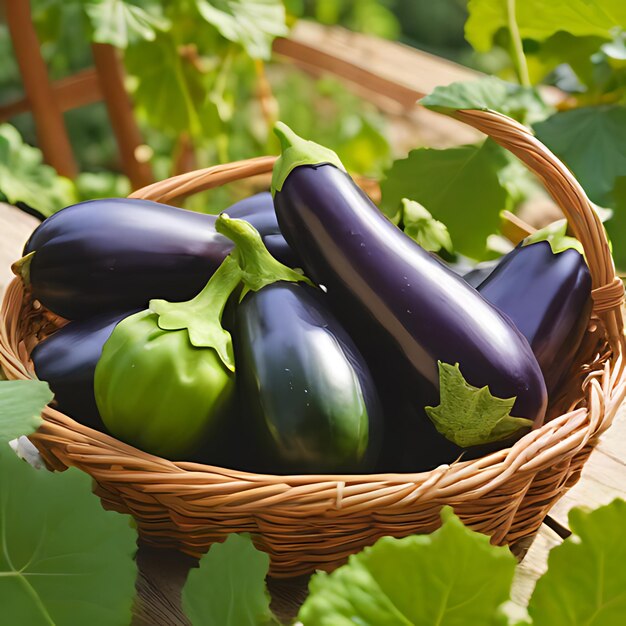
pixel 518 49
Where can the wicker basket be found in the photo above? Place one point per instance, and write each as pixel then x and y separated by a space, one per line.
pixel 315 522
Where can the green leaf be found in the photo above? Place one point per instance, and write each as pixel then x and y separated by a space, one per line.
pixel 258 267
pixel 592 143
pixel 64 560
pixel 453 577
pixel 202 316
pixel 120 22
pixel 25 178
pixel 522 103
pixel 458 186
pixel 471 416
pixel 228 588
pixel 585 584
pixel 538 19
pixel 616 225
pixel 420 225
pixel 170 91
pixel 252 23
pixel 556 235
pixel 21 404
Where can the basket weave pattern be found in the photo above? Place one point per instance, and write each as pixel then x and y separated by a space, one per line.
pixel 314 522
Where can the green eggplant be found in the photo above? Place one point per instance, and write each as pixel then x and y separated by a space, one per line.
pixel 165 381
pixel 309 404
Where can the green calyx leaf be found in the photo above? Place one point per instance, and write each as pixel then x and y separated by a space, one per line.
pixel 21 267
pixel 451 577
pixel 586 577
pixel 64 559
pixel 258 267
pixel 228 588
pixel 202 315
pixel 420 225
pixel 21 404
pixel 556 235
pixel 471 416
pixel 296 151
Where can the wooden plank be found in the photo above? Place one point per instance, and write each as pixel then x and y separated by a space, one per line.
pixel 15 228
pixel 119 107
pixel 51 133
pixel 71 92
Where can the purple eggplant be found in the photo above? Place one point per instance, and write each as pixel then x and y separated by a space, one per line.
pixel 386 288
pixel 548 298
pixel 118 253
pixel 67 361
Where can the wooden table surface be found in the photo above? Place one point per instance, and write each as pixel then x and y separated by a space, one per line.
pixel 162 572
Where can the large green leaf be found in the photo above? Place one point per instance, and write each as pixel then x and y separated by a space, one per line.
pixel 120 22
pixel 228 588
pixel 522 103
pixel 24 177
pixel 616 225
pixel 592 143
pixel 453 577
pixel 458 186
pixel 252 23
pixel 538 19
pixel 21 404
pixel 585 584
pixel 63 560
pixel 171 92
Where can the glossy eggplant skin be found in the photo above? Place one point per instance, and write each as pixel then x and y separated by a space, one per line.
pixel 548 298
pixel 383 283
pixel 67 361
pixel 309 402
pixel 119 253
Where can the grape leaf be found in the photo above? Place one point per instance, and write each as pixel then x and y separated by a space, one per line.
pixel 24 177
pixel 522 103
pixel 119 22
pixel 586 579
pixel 458 186
pixel 592 143
pixel 252 23
pixel 538 19
pixel 453 577
pixel 616 225
pixel 64 560
pixel 228 588
pixel 471 416
pixel 21 404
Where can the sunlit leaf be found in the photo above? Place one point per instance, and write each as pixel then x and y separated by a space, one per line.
pixel 228 588
pixel 64 559
pixel 25 178
pixel 252 23
pixel 453 577
pixel 21 404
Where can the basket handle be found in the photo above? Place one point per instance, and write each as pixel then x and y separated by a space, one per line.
pixel 608 290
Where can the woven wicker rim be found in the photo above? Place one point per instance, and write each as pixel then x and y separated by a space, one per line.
pixel 130 479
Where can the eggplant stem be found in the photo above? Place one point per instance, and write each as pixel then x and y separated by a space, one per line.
pixel 21 267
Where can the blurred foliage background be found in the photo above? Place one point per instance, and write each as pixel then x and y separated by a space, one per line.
pixel 204 84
